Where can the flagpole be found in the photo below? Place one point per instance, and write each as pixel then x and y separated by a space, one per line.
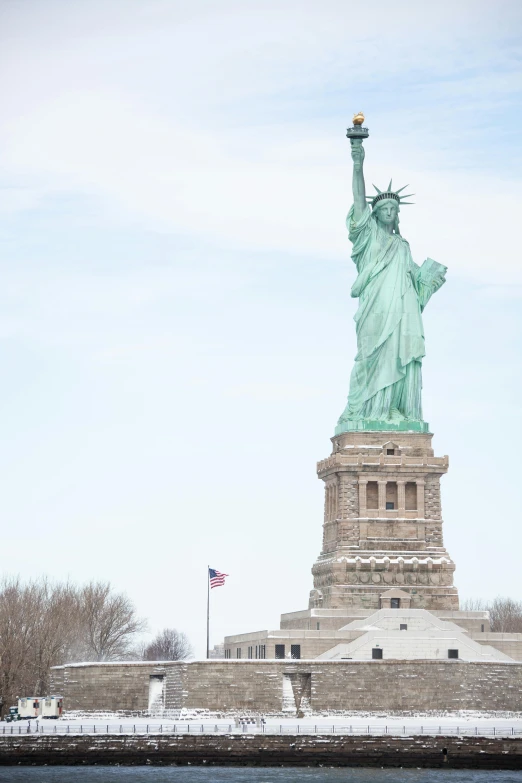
pixel 208 610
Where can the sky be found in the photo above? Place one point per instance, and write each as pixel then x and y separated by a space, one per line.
pixel 176 332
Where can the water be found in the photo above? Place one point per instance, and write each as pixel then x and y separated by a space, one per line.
pixel 249 775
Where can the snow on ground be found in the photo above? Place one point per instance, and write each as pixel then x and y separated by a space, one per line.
pixel 374 723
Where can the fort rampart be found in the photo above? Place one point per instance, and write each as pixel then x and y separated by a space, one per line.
pixel 272 687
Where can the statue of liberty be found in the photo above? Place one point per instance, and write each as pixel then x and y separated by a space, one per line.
pixel 386 380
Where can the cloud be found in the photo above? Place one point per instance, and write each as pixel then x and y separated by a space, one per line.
pixel 87 117
pixel 282 197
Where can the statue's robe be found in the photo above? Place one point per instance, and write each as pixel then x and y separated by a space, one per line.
pixel 386 381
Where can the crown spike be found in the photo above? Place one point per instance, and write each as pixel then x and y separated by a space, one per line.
pixel 407 202
pixel 407 195
pixel 389 186
pixel 377 189
pixel 401 189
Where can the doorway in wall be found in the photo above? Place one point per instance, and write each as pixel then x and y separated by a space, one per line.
pixel 156 692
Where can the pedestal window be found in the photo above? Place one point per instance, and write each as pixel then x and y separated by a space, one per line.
pixel 391 495
pixel 411 496
pixel 372 495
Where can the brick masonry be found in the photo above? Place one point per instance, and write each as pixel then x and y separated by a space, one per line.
pixel 264 750
pixel 382 523
pixel 257 686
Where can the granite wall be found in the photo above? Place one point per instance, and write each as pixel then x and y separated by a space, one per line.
pixel 262 750
pixel 274 686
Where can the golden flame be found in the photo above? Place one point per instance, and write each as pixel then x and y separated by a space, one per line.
pixel 358 119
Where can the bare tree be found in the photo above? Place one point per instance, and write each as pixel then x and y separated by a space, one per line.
pixel 43 624
pixel 473 605
pixel 168 645
pixel 109 622
pixel 19 609
pixel 505 615
pixel 36 623
pixel 56 629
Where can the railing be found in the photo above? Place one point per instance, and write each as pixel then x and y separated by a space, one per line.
pixel 380 459
pixel 47 728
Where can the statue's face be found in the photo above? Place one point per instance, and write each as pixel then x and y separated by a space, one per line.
pixel 387 212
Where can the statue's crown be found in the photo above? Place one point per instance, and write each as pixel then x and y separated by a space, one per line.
pixel 389 194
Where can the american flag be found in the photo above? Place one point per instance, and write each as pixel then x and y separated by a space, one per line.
pixel 217 579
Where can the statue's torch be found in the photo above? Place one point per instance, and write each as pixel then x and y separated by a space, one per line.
pixel 357 133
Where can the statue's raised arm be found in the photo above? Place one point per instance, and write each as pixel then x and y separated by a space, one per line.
pixel 358 186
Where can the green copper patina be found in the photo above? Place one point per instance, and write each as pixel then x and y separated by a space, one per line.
pixel 386 380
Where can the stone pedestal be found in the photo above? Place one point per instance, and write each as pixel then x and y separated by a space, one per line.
pixel 382 523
